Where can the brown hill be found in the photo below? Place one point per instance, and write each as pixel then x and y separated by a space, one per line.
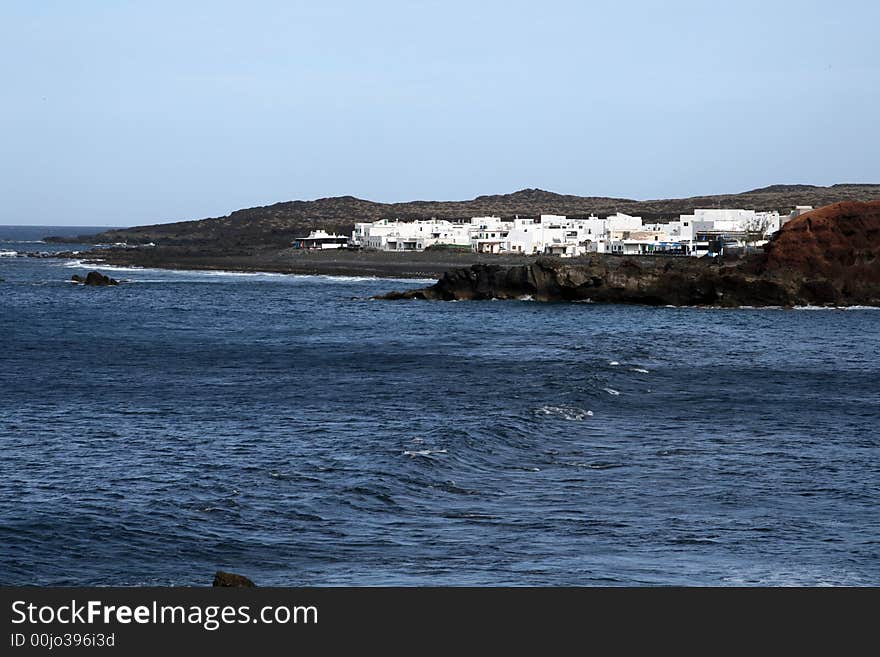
pixel 276 225
pixel 830 253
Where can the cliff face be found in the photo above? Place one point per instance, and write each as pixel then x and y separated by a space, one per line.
pixel 828 256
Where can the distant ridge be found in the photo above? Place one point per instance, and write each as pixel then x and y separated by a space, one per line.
pixel 276 225
pixel 782 189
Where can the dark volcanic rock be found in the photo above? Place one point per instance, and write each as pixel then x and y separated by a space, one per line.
pixel 606 279
pixel 94 278
pixel 829 256
pixel 231 579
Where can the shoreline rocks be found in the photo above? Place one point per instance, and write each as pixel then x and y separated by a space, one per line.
pixel 654 281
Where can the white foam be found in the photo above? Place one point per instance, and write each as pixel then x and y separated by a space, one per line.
pixel 223 273
pixel 642 370
pixel 74 264
pixel 422 452
pixel 760 308
pixel 526 297
pixel 614 363
pixel 564 412
pixel 836 308
pixel 611 391
pixel 8 254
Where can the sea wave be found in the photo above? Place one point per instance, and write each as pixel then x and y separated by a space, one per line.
pixel 224 273
pixel 738 308
pixel 8 254
pixel 564 412
pixel 423 452
pixel 836 308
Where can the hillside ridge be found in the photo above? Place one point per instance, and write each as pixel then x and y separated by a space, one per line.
pixel 278 224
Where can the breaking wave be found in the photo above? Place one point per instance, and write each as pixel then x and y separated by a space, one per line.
pixel 564 412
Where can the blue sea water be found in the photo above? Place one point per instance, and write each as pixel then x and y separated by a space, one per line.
pixel 288 429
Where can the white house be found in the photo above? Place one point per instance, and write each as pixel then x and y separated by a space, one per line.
pixel 557 235
pixel 490 235
pixel 319 239
pixel 386 235
pixel 524 236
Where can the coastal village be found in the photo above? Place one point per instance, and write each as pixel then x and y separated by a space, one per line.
pixel 706 232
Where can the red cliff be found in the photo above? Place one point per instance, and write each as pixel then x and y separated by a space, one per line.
pixel 830 255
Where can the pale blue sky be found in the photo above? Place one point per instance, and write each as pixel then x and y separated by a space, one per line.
pixel 123 113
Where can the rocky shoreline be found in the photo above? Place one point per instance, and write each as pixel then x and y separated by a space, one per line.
pixel 656 281
pixel 830 256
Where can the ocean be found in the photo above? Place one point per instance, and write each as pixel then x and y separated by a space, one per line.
pixel 289 429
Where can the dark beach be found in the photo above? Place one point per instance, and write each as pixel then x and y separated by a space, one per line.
pixel 427 264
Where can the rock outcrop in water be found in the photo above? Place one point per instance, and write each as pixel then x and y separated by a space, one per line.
pixel 830 256
pixel 94 278
pixel 222 578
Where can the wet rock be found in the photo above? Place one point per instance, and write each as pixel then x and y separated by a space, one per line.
pixel 94 278
pixel 222 578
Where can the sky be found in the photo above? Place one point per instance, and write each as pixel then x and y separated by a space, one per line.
pixel 124 113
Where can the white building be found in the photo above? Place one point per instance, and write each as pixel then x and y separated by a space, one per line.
pixel 490 235
pixel 796 212
pixel 555 235
pixel 319 239
pixel 550 234
pixel 621 221
pixel 524 236
pixel 386 235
